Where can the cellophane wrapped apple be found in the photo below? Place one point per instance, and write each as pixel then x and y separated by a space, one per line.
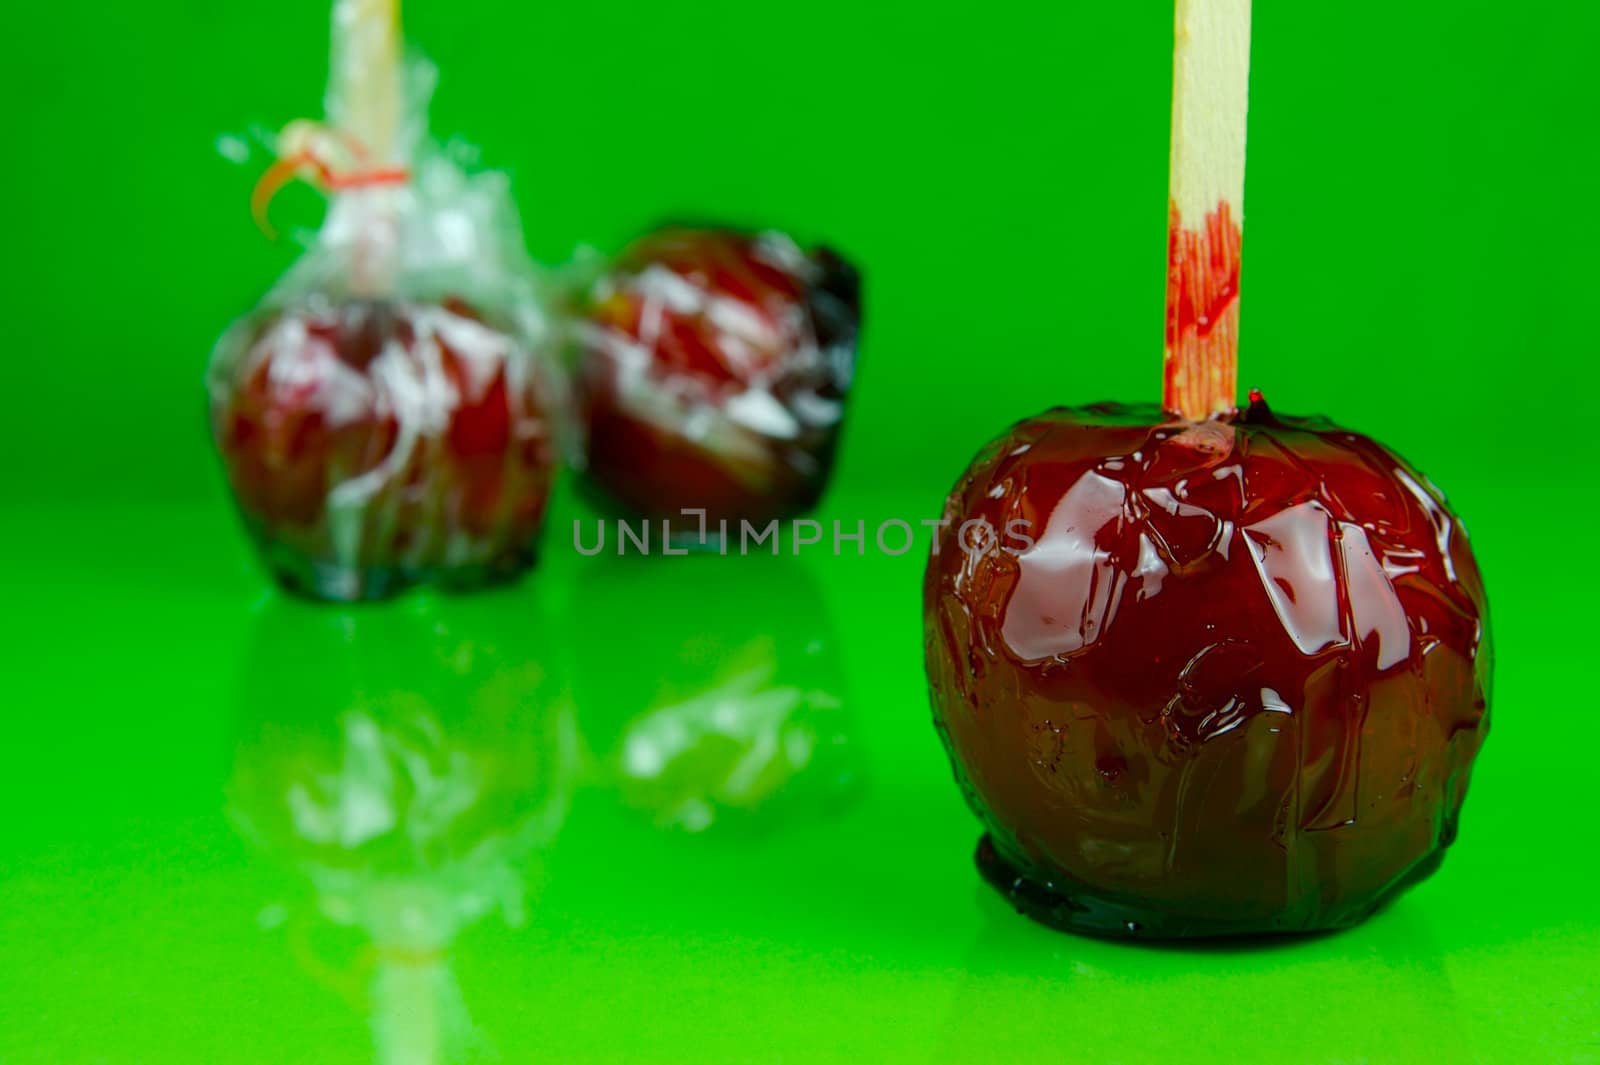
pixel 713 373
pixel 387 414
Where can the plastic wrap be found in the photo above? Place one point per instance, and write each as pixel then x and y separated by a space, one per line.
pixel 387 414
pixel 713 373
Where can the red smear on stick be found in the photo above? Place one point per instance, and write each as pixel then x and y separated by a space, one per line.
pixel 1202 313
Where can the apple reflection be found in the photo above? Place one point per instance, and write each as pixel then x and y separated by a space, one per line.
pixel 710 690
pixel 410 763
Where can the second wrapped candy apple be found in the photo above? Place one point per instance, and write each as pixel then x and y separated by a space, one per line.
pixel 713 372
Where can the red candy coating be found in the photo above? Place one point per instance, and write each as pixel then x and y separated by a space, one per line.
pixel 371 445
pixel 714 372
pixel 1235 685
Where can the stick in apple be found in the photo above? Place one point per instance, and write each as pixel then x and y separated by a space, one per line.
pixel 364 106
pixel 1210 100
pixel 360 146
pixel 366 97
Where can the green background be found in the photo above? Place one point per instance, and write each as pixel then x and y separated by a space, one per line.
pixel 1419 264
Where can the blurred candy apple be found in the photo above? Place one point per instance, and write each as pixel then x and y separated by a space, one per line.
pixel 714 371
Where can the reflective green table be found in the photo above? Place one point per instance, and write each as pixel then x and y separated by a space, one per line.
pixel 663 809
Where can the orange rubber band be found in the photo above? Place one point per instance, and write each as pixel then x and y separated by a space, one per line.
pixel 307 166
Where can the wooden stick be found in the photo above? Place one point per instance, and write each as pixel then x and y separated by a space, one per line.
pixel 1210 102
pixel 365 102
pixel 365 97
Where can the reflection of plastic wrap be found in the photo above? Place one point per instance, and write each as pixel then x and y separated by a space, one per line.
pixel 385 416
pixel 714 373
pixel 722 718
pixel 411 765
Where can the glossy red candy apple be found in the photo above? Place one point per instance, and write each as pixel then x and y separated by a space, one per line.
pixel 714 372
pixel 374 444
pixel 1205 677
pixel 1205 670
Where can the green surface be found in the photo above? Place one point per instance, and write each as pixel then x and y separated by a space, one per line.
pixel 1419 264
